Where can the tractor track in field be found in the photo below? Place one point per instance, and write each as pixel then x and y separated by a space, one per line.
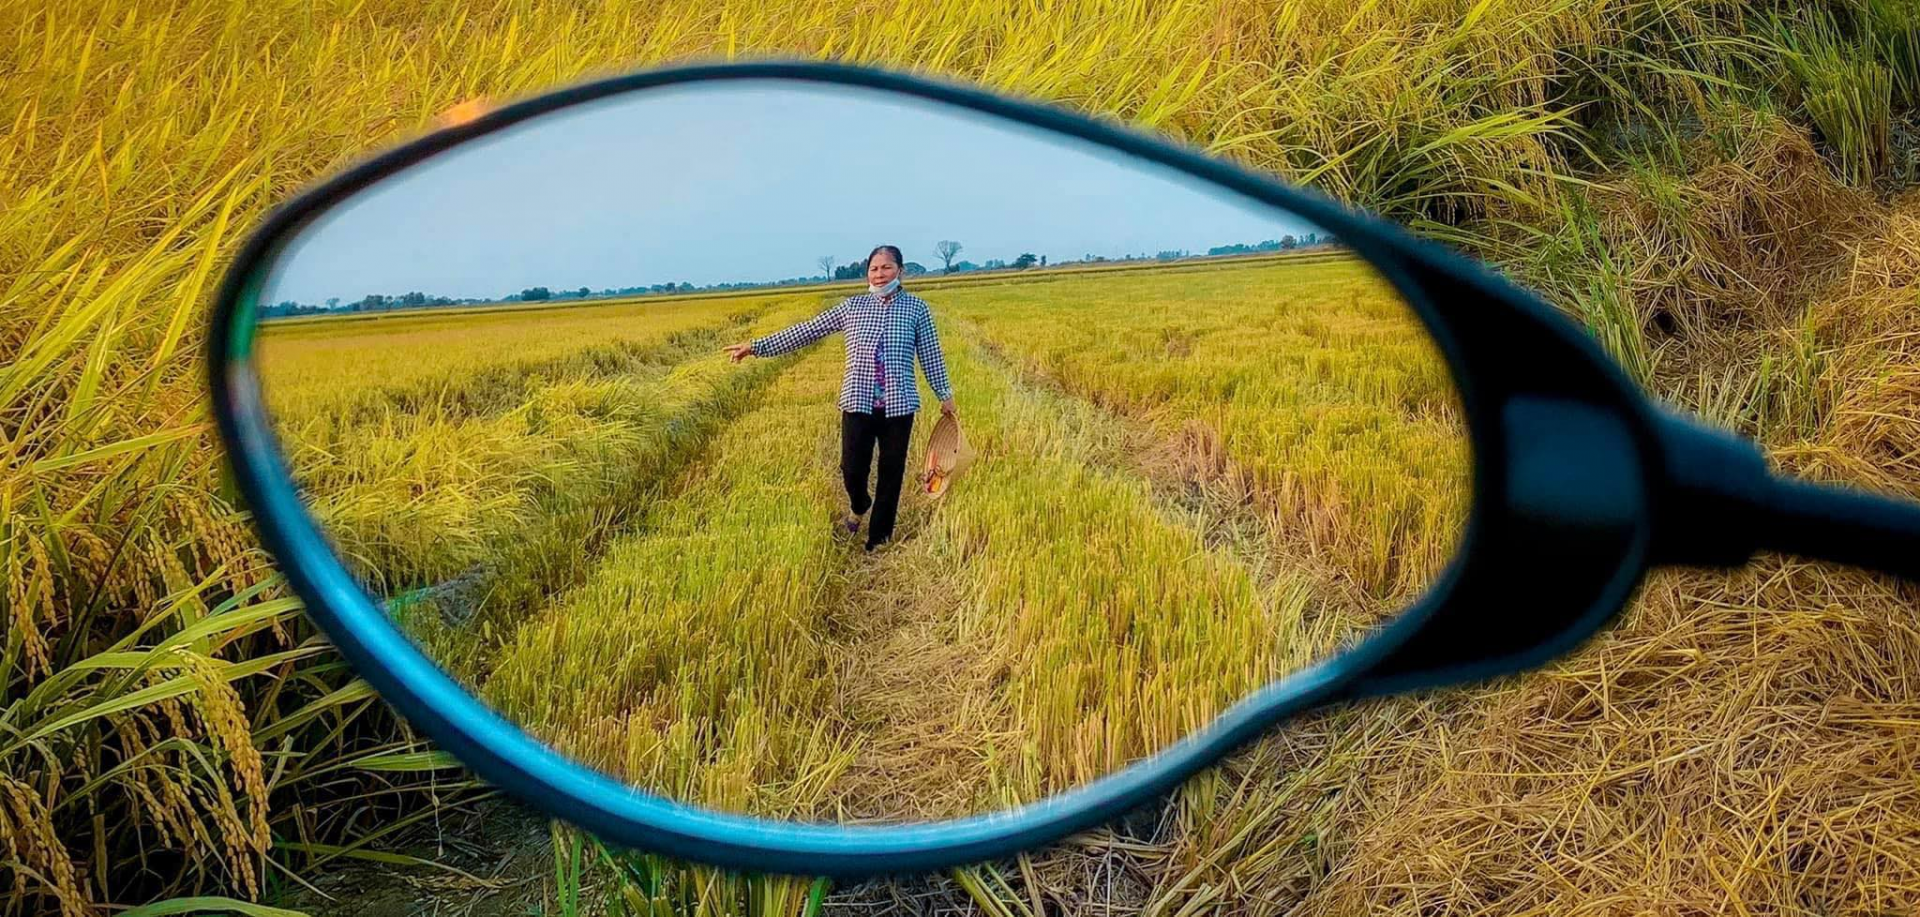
pixel 922 704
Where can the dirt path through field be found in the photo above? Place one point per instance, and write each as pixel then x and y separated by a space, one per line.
pixel 921 699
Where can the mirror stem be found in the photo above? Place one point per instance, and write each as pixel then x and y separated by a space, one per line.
pixel 1842 524
pixel 1721 504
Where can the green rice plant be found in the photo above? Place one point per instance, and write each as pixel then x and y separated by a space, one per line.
pixel 1892 30
pixel 1614 320
pixel 1578 261
pixel 1847 91
pixel 1794 390
pixel 198 772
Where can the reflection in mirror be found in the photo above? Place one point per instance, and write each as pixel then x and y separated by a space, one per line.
pixel 1202 444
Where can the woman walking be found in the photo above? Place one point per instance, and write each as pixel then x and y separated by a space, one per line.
pixel 886 328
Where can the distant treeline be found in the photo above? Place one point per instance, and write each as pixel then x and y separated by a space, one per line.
pixel 372 302
pixel 1284 243
pixel 857 270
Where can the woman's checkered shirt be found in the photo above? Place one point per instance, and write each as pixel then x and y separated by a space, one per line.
pixel 900 331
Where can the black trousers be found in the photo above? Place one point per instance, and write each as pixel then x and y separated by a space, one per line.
pixel 859 432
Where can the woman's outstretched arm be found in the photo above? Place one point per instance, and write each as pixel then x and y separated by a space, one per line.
pixel 796 337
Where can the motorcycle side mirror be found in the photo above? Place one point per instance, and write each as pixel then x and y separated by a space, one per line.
pixel 572 543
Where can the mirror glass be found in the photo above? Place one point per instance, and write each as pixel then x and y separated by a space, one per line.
pixel 1197 443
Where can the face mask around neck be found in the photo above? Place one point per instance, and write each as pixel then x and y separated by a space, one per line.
pixel 888 290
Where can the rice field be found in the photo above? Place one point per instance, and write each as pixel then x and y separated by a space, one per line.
pixel 1306 380
pixel 477 460
pixel 721 645
pixel 442 356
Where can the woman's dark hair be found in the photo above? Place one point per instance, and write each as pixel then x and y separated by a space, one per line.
pixel 893 250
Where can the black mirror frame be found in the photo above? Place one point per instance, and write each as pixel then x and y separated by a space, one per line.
pixel 1571 473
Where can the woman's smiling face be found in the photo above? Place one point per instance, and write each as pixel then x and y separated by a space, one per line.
pixel 882 269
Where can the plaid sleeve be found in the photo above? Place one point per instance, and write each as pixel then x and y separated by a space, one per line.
pixel 801 335
pixel 932 361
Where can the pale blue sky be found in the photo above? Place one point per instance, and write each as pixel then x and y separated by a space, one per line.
pixel 747 181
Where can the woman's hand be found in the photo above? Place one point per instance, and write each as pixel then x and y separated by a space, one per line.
pixel 946 408
pixel 739 351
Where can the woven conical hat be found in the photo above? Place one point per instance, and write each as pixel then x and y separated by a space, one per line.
pixel 943 447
